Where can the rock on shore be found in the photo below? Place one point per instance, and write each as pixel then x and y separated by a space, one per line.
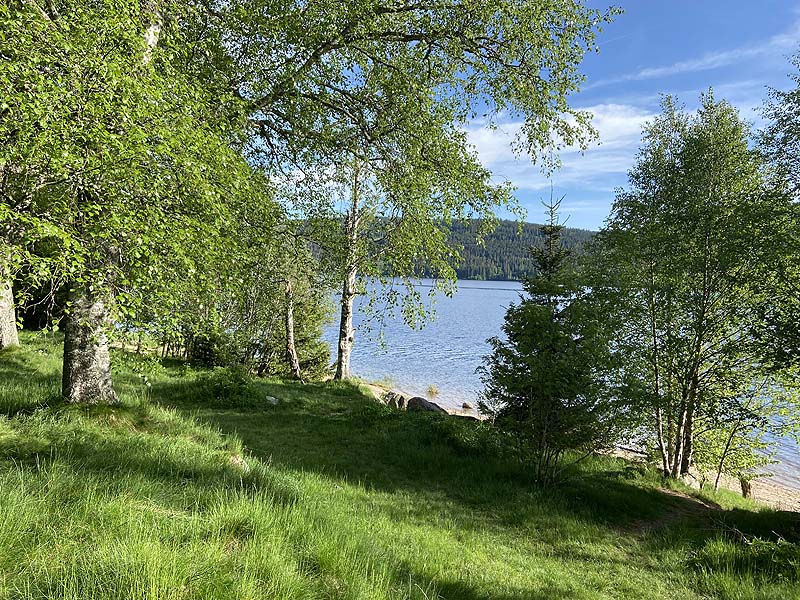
pixel 416 403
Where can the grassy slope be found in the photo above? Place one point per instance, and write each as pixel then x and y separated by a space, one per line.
pixel 340 498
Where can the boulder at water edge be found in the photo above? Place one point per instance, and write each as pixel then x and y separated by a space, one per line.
pixel 394 400
pixel 420 404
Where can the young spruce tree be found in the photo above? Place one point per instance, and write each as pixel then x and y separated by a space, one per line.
pixel 544 382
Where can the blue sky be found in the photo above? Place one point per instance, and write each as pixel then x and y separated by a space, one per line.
pixel 679 47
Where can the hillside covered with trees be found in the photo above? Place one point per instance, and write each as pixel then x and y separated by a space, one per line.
pixel 505 253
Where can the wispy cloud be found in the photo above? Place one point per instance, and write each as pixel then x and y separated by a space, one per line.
pixel 619 127
pixel 778 44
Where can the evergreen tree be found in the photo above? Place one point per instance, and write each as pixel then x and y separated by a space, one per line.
pixel 545 381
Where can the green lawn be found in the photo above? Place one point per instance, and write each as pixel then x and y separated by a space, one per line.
pixel 197 487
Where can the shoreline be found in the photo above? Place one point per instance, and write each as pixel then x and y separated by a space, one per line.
pixel 767 491
pixel 379 389
pixel 762 489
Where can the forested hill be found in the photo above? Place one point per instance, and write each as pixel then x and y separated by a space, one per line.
pixel 505 254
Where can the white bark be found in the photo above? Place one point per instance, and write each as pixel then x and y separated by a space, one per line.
pixel 346 330
pixel 291 350
pixel 86 376
pixel 153 31
pixel 151 40
pixel 8 315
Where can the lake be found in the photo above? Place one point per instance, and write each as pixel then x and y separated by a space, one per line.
pixel 448 350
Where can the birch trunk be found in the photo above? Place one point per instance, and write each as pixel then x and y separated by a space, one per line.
pixel 153 31
pixel 662 445
pixel 291 350
pixel 346 330
pixel 86 376
pixel 688 440
pixel 677 458
pixel 8 314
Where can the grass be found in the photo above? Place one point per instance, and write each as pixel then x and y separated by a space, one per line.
pixel 197 488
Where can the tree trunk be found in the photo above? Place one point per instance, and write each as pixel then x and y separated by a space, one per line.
pixel 346 330
pixel 662 445
pixel 679 439
pixel 688 432
pixel 153 31
pixel 688 441
pixel 86 377
pixel 8 315
pixel 746 487
pixel 291 350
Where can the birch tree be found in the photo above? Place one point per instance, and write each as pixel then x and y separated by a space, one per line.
pixel 681 256
pixel 386 89
pixel 123 123
pixel 108 145
pixel 780 142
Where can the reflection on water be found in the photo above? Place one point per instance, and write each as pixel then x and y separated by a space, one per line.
pixel 446 352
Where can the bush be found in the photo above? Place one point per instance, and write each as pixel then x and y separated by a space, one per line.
pixel 215 349
pixel 229 386
pixel 468 437
pixel 146 366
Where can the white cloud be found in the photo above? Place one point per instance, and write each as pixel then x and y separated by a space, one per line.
pixel 619 129
pixel 778 44
pixel 494 144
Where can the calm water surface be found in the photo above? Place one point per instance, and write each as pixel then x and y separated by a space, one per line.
pixel 446 352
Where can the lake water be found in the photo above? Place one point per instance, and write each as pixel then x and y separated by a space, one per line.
pixel 445 353
pixel 448 350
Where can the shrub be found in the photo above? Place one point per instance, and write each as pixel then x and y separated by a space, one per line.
pixel 229 386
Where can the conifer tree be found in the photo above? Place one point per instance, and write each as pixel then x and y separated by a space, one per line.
pixel 545 380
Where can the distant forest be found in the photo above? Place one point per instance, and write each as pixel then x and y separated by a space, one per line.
pixel 505 254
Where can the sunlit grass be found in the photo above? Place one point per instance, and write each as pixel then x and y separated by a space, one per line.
pixel 197 488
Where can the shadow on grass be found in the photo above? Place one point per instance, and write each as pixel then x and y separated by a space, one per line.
pixel 429 472
pixel 462 591
pixel 116 441
pixel 337 431
pixel 24 386
pixel 119 443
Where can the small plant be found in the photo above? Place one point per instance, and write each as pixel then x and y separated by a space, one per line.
pixel 433 391
pixel 228 385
